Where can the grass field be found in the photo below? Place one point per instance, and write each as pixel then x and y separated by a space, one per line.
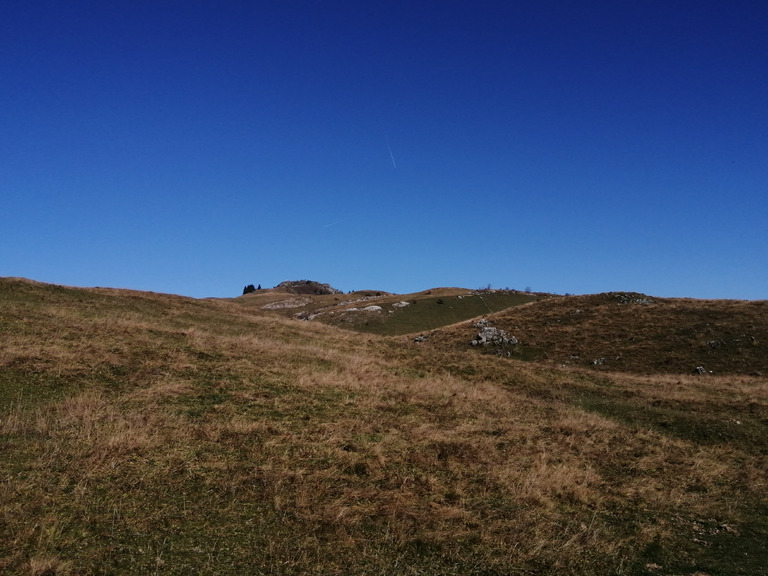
pixel 145 433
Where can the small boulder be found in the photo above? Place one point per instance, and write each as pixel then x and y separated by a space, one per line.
pixel 491 335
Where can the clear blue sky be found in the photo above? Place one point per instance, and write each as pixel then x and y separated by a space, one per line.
pixel 194 147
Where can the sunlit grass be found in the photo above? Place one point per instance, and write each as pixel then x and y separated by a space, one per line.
pixel 149 434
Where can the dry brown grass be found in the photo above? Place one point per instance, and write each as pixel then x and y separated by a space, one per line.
pixel 635 333
pixel 151 434
pixel 48 566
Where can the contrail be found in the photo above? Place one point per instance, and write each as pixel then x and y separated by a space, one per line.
pixel 390 153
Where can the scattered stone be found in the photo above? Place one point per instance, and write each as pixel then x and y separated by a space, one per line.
pixel 598 361
pixel 290 303
pixel 700 370
pixel 420 338
pixel 371 309
pixel 401 304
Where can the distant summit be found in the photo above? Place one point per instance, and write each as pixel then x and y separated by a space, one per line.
pixel 307 287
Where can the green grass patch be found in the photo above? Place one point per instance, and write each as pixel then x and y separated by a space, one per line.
pixel 430 312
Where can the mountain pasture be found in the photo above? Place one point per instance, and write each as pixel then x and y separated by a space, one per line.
pixel 147 433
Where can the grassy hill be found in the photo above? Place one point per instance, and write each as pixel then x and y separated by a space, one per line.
pixel 636 333
pixel 388 314
pixel 146 433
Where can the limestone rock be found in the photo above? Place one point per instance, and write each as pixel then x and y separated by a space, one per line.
pixel 491 335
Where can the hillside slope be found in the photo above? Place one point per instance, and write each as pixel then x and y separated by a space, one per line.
pixel 633 332
pixel 377 312
pixel 147 433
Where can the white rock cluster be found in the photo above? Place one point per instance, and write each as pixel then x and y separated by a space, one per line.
pixel 490 335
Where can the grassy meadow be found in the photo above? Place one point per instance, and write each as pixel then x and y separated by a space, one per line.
pixel 145 433
pixel 399 314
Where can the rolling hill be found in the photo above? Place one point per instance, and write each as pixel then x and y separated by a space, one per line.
pixel 283 433
pixel 630 332
pixel 383 313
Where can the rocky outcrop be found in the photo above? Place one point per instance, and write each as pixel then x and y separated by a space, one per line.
pixel 290 303
pixel 491 335
pixel 633 298
pixel 307 287
pixel 371 308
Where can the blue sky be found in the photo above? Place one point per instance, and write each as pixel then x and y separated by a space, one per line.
pixel 570 147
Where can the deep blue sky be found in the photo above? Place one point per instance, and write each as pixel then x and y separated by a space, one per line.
pixel 567 146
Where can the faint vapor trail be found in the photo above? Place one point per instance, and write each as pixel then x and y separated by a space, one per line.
pixel 392 156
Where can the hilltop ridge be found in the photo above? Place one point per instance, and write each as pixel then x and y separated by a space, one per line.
pixel 612 331
pixel 307 287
